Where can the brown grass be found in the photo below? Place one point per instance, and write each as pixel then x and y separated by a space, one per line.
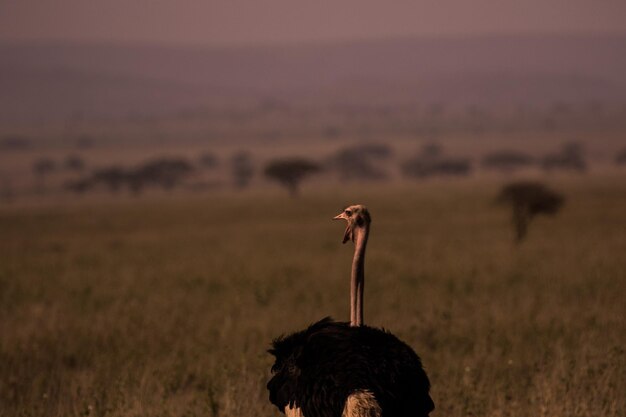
pixel 166 307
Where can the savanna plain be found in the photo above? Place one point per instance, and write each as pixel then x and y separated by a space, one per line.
pixel 166 307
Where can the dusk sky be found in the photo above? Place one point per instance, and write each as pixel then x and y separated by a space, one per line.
pixel 226 22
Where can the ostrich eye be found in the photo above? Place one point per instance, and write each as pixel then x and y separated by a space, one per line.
pixel 348 212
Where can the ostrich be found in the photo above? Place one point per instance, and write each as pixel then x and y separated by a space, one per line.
pixel 340 369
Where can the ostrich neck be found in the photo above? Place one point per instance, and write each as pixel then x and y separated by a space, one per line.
pixel 357 280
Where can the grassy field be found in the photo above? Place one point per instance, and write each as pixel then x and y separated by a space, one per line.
pixel 165 307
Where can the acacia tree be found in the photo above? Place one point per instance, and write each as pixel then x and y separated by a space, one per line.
pixel 528 199
pixel 290 172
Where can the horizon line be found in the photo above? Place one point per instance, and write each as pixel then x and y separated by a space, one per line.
pixel 304 42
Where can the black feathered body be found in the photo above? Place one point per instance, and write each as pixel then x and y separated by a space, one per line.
pixel 318 368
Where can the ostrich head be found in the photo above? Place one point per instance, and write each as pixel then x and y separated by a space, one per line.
pixel 357 217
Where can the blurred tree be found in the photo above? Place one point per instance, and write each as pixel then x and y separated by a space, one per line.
pixel 208 160
pixel 42 167
pixel 15 143
pixel 74 163
pixel 507 161
pixel 570 157
pixel 447 167
pixel 166 173
pixel 290 172
pixel 431 150
pixel 6 189
pixel 112 177
pixel 431 161
pixel 361 162
pixel 528 199
pixel 620 158
pixel 242 169
pixel 78 186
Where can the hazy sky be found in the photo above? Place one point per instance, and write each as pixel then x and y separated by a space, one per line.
pixel 268 21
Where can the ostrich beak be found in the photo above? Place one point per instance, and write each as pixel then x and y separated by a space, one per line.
pixel 340 216
pixel 348 233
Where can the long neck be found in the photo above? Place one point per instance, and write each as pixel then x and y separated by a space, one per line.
pixel 357 280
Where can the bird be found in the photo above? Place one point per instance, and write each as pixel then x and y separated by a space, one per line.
pixel 348 369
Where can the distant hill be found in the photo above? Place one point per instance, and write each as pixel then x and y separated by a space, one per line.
pixel 51 81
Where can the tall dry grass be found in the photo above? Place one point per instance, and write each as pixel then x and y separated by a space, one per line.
pixel 166 308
